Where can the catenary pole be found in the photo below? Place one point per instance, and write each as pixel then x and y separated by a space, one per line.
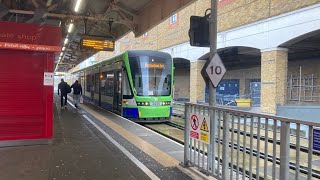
pixel 212 90
pixel 213 47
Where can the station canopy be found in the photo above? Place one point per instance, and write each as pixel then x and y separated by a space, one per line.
pixel 111 19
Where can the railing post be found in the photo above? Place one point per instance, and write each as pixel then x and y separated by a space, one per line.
pixel 284 150
pixel 213 131
pixel 186 134
pixel 225 147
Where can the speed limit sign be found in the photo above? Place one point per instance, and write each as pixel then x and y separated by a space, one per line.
pixel 215 70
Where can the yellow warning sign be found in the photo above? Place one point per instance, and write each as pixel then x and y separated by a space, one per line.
pixel 204 137
pixel 204 125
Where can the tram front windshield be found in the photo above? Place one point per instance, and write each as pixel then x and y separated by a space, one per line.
pixel 151 75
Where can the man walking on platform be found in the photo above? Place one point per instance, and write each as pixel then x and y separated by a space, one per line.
pixel 77 92
pixel 64 90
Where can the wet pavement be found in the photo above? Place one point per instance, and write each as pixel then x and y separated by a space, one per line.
pixel 76 153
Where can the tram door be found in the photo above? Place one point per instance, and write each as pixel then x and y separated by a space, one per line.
pixel 117 92
pixel 92 88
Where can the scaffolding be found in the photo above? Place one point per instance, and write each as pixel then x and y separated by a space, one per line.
pixel 255 93
pixel 302 88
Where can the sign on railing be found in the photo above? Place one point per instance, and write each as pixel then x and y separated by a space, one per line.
pixel 316 140
pixel 199 127
pixel 242 144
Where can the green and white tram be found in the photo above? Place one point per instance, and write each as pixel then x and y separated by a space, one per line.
pixel 136 84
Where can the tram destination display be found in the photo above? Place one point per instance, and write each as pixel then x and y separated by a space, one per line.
pixel 97 43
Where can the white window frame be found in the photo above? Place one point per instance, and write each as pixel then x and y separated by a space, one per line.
pixel 145 34
pixel 174 19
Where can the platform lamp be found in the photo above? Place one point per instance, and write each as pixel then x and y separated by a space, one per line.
pixel 77 6
pixel 70 28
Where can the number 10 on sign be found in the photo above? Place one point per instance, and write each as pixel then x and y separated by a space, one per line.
pixel 215 70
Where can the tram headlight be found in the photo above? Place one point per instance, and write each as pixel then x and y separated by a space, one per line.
pixel 143 103
pixel 166 103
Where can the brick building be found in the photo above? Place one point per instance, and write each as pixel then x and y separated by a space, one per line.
pixel 269 43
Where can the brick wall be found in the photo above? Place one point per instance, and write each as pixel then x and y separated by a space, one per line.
pixel 245 76
pixel 231 14
pixel 274 68
pixel 197 84
pixel 181 83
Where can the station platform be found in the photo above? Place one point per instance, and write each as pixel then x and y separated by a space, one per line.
pixel 91 143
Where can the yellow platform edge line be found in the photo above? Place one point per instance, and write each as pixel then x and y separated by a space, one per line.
pixel 161 157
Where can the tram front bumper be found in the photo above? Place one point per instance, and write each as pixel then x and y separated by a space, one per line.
pixel 154 111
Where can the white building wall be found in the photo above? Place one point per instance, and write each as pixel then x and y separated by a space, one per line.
pixel 265 34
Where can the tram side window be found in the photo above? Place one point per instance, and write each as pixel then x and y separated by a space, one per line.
pixel 126 86
pixel 166 85
pixel 96 83
pixel 103 80
pixel 88 83
pixel 109 84
pixel 83 82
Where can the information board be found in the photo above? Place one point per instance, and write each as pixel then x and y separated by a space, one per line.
pixel 316 139
pixel 48 79
pixel 97 43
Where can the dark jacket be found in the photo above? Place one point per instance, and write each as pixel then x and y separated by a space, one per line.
pixel 63 88
pixel 77 89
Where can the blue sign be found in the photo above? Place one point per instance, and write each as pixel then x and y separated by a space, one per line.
pixel 316 139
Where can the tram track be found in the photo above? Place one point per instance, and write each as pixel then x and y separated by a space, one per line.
pixel 270 140
pixel 174 125
pixel 164 134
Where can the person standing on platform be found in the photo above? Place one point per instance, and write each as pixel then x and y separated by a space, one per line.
pixel 77 92
pixel 64 90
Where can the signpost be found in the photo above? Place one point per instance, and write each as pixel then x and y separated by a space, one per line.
pixel 202 128
pixel 212 89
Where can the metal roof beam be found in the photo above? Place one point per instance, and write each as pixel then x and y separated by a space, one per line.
pixel 60 16
pixel 119 8
pixel 35 3
pixel 39 13
pixel 3 10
